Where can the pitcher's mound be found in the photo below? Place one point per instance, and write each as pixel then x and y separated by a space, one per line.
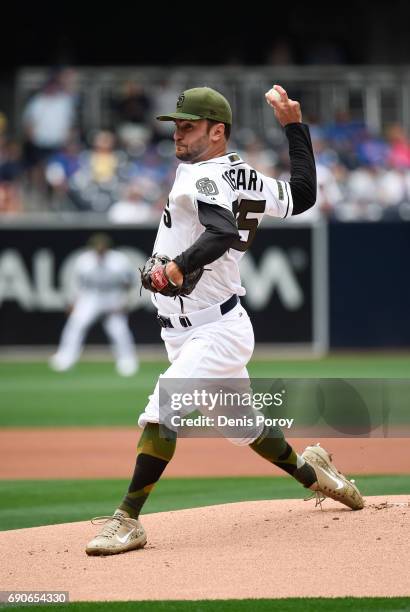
pixel 269 549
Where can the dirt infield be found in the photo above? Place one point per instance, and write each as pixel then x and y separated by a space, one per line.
pixel 267 549
pixel 110 453
pixel 271 549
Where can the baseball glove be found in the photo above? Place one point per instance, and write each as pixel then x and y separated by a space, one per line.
pixel 155 279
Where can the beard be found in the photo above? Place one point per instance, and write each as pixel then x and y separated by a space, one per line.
pixel 184 156
pixel 193 153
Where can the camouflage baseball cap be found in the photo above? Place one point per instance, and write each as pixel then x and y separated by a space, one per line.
pixel 99 241
pixel 201 103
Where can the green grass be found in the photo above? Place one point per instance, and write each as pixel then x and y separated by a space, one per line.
pixel 92 394
pixel 339 604
pixel 61 501
pixel 336 366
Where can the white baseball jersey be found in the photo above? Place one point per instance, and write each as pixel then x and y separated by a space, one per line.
pixel 231 183
pixel 106 279
pixel 101 287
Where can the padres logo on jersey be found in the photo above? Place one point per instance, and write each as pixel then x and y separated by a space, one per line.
pixel 207 187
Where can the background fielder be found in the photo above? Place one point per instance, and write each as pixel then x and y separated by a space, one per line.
pixel 210 220
pixel 102 280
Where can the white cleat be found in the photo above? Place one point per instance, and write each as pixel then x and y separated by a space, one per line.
pixel 127 367
pixel 120 533
pixel 330 482
pixel 60 364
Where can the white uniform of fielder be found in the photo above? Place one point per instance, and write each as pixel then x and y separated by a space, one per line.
pixel 102 284
pixel 203 343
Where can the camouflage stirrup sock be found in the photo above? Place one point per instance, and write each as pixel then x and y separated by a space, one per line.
pixel 155 451
pixel 272 446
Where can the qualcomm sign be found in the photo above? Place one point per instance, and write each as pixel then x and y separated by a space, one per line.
pixel 42 287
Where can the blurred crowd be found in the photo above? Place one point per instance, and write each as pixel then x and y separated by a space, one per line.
pixel 124 170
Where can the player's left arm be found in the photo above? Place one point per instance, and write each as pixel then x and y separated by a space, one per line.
pixel 220 232
pixel 215 214
pixel 302 162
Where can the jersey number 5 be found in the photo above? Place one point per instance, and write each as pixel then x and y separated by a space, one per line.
pixel 251 225
pixel 167 215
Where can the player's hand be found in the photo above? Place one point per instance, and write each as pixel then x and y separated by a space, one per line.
pixel 286 110
pixel 174 273
pixel 162 275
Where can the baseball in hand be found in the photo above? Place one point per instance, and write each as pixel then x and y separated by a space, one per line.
pixel 272 93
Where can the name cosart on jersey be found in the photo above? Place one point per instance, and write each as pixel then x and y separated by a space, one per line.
pixel 243 178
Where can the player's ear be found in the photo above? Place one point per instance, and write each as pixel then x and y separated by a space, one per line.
pixel 217 132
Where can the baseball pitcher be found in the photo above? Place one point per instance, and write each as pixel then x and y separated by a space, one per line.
pixel 210 220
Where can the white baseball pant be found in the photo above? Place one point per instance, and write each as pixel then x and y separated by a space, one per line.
pixel 85 313
pixel 215 350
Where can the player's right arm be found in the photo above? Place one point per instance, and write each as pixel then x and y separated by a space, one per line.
pixel 79 278
pixel 302 181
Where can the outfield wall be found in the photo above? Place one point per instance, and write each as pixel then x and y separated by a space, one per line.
pixel 369 285
pixel 340 285
pixel 282 275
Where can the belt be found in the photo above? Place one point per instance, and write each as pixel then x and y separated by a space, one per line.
pixel 206 315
